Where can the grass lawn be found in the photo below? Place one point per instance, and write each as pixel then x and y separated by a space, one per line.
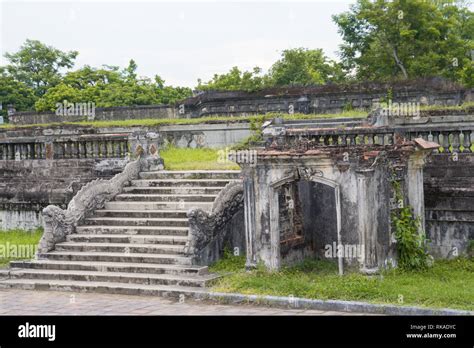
pixel 18 245
pixel 194 159
pixel 448 284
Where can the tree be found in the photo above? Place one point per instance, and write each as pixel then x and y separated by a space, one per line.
pixel 39 66
pixel 407 39
pixel 108 86
pixel 234 80
pixel 304 67
pixel 14 93
pixel 130 72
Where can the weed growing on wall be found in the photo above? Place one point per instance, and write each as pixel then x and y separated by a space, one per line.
pixel 411 244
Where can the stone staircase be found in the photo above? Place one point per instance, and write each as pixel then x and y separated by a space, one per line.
pixel 135 245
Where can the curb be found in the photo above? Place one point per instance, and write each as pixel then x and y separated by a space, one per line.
pixel 326 305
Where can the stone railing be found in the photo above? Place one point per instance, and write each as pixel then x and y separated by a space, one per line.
pixel 451 138
pixel 22 151
pixel 209 232
pixel 297 138
pixel 110 146
pixel 58 223
pixel 97 146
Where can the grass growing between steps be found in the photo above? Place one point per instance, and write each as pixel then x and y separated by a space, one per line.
pixel 18 244
pixel 448 284
pixel 195 159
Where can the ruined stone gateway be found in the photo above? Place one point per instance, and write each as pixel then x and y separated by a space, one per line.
pixel 310 192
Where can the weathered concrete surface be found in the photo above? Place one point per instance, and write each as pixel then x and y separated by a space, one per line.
pixel 288 218
pixel 222 227
pixel 449 200
pixel 205 135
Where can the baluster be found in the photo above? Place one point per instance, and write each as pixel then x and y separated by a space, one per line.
pixel 59 150
pixel 96 149
pixel 21 148
pixel 17 152
pixel 77 148
pixel 455 142
pixel 103 149
pixel 125 149
pixel 444 141
pixel 87 149
pixel 377 140
pixel 31 154
pixel 38 152
pixel 117 149
pixel 110 149
pixel 435 139
pixel 466 141
pixel 28 151
pixel 370 139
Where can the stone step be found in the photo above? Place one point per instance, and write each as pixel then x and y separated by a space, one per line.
pixel 124 238
pixel 115 277
pixel 127 221
pixel 129 205
pixel 116 257
pixel 179 214
pixel 111 267
pixel 133 230
pixel 167 249
pixel 164 198
pixel 180 182
pixel 191 190
pixel 101 287
pixel 191 174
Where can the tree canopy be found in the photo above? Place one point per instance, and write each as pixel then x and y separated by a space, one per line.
pixel 381 40
pixel 108 86
pixel 385 40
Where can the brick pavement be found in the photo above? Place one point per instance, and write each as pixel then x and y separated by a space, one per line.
pixel 27 302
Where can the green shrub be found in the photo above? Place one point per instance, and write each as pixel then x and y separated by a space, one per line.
pixel 411 243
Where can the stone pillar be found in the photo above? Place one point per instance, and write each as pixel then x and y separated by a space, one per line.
pixel 249 215
pixel 367 213
pixel 414 185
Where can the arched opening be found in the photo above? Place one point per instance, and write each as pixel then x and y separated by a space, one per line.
pixel 309 219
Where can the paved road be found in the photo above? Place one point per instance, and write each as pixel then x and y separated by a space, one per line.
pixel 25 302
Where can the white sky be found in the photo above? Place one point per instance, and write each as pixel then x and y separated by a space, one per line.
pixel 179 40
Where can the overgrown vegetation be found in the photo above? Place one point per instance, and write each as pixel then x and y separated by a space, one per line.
pixel 195 159
pixel 18 244
pixel 411 241
pixel 448 284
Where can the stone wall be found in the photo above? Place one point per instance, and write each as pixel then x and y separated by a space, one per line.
pixel 449 203
pixel 101 114
pixel 306 100
pixel 325 99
